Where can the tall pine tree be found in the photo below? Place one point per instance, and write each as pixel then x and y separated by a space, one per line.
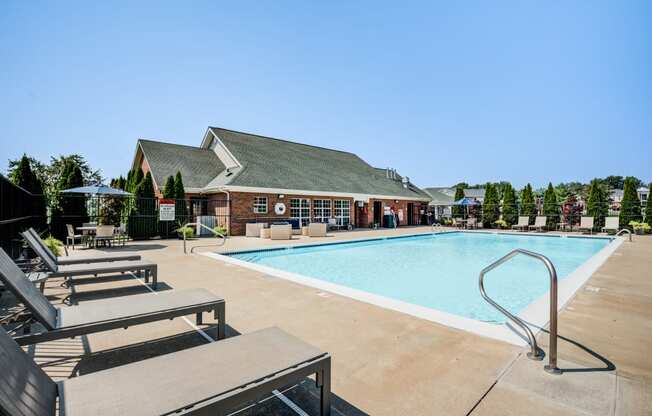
pixel 510 210
pixel 630 206
pixel 490 206
pixel 528 208
pixel 648 208
pixel 551 207
pixel 458 210
pixel 24 176
pixel 169 190
pixel 597 205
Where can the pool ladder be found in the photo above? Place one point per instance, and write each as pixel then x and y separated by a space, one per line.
pixel 535 353
pixel 200 225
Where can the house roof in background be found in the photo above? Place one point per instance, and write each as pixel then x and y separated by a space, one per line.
pixel 197 166
pixel 266 162
pixel 440 196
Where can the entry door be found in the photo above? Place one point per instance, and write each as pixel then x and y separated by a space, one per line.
pixel 378 213
pixel 410 213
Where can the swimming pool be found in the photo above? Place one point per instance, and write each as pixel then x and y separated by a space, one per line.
pixel 434 271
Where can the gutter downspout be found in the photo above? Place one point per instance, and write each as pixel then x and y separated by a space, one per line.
pixel 228 203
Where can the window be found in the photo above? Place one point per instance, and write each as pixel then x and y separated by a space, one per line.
pixel 260 205
pixel 300 210
pixel 342 212
pixel 322 209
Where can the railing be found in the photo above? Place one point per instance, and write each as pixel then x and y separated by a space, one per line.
pixel 625 230
pixel 437 228
pixel 215 233
pixel 535 353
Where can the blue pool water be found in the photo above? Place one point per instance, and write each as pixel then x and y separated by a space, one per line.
pixel 438 271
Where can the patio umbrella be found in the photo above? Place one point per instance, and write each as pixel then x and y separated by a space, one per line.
pixel 96 190
pixel 466 202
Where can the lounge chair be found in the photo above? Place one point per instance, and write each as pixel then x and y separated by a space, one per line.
pixel 104 234
pixel 63 261
pixel 106 314
pixel 539 224
pixel 611 224
pixel 280 232
pixel 69 271
pixel 208 379
pixel 523 223
pixel 471 223
pixel 317 229
pixel 586 224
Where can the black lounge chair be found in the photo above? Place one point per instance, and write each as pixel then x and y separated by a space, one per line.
pixel 211 379
pixel 64 261
pixel 106 314
pixel 69 271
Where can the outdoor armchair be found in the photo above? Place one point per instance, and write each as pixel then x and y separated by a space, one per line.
pixel 611 224
pixel 280 232
pixel 523 223
pixel 586 224
pixel 539 223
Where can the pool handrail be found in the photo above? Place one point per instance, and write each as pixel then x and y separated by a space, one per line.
pixel 535 353
pixel 198 224
pixel 628 233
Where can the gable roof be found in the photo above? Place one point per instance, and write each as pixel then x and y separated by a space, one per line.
pixel 440 196
pixel 197 166
pixel 268 162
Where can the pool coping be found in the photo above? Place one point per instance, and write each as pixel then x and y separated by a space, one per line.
pixel 535 314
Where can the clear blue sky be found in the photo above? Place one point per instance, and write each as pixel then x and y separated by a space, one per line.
pixel 473 91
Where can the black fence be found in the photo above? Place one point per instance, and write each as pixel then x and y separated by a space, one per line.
pixel 19 210
pixel 140 218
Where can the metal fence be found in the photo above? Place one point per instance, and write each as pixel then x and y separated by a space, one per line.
pixel 19 210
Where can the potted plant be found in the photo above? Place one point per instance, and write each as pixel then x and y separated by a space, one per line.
pixel 502 224
pixel 640 228
pixel 185 230
pixel 220 229
pixel 54 245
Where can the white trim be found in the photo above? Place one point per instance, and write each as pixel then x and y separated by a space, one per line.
pixel 536 314
pixel 223 153
pixel 357 197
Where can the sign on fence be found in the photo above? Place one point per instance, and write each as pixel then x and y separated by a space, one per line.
pixel 166 210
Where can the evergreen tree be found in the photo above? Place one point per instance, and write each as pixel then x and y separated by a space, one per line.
pixel 597 204
pixel 630 206
pixel 458 210
pixel 146 187
pixel 179 190
pixel 551 207
pixel 510 211
pixel 491 206
pixel 181 208
pixel 24 176
pixel 528 208
pixel 70 208
pixel 129 181
pixel 169 190
pixel 648 208
pixel 136 180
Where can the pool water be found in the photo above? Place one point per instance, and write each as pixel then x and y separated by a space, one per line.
pixel 438 271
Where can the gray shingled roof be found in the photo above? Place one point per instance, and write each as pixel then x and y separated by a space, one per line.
pixel 440 196
pixel 273 163
pixel 197 166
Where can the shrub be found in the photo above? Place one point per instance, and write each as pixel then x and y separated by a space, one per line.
pixel 54 245
pixel 630 206
pixel 189 232
pixel 491 205
pixel 597 205
pixel 220 229
pixel 168 189
pixel 501 224
pixel 528 207
pixel 551 206
pixel 510 211
pixel 640 227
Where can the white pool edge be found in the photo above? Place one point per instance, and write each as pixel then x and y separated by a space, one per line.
pixel 536 313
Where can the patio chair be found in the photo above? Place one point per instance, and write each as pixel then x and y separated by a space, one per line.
pixel 69 271
pixel 472 223
pixel 120 234
pixel 586 224
pixel 458 223
pixel 104 234
pixel 539 224
pixel 212 379
pixel 523 223
pixel 611 224
pixel 280 232
pixel 317 229
pixel 62 261
pixel 72 237
pixel 106 314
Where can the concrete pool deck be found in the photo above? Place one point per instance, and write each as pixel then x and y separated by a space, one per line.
pixel 386 362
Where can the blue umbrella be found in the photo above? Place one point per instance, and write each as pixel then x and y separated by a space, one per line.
pixel 96 190
pixel 466 201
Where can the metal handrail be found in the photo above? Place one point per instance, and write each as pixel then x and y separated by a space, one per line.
pixel 198 224
pixel 627 231
pixel 437 228
pixel 535 353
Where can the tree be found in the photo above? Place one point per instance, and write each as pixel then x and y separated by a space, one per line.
pixel 180 195
pixel 24 177
pixel 169 190
pixel 491 206
pixel 458 210
pixel 630 206
pixel 528 208
pixel 70 208
pixel 510 210
pixel 551 207
pixel 648 208
pixel 597 205
pixel 143 220
pixel 571 210
pixel 614 182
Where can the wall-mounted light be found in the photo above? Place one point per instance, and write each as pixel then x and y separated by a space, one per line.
pixel 281 196
pixel 396 201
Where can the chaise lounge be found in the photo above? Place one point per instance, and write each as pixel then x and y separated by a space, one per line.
pixel 69 271
pixel 106 314
pixel 209 379
pixel 539 224
pixel 611 225
pixel 523 223
pixel 64 261
pixel 586 224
